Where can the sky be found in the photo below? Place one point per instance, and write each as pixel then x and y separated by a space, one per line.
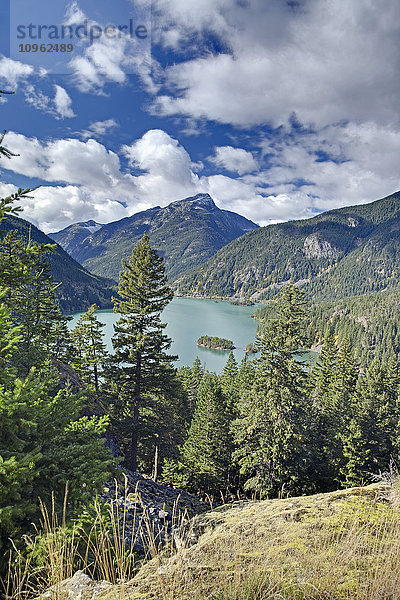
pixel 278 109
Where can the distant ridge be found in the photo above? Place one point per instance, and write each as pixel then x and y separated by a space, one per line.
pixel 345 252
pixel 78 288
pixel 186 232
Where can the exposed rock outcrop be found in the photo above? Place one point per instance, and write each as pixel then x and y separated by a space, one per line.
pixel 314 247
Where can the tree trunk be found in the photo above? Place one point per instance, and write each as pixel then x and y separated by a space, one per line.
pixel 134 441
pixel 155 472
pixel 135 417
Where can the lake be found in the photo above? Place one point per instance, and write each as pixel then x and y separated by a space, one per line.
pixel 189 318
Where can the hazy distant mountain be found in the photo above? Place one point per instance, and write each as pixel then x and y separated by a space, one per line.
pixel 186 233
pixel 349 251
pixel 79 288
pixel 72 237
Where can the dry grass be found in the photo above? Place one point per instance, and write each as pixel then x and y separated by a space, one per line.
pixel 339 546
pixel 344 545
pixel 104 551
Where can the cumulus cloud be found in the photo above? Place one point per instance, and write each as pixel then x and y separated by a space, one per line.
pixel 13 72
pixel 89 182
pixel 236 160
pixel 323 62
pixel 299 175
pixel 167 167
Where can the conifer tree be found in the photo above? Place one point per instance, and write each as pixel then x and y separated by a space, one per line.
pixel 271 433
pixel 190 378
pixel 326 416
pixel 90 350
pixel 370 439
pixel 140 368
pixel 206 452
pixel 230 384
pixel 44 440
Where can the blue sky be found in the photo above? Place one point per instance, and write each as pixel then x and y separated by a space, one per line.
pixel 278 109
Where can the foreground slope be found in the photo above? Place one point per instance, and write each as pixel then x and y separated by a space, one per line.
pixel 186 233
pixel 343 544
pixel 349 251
pixel 78 288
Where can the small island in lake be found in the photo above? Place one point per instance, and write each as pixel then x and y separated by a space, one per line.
pixel 215 343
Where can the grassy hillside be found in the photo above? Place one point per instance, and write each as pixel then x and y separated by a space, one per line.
pixel 345 252
pixel 186 233
pixel 341 545
pixel 78 288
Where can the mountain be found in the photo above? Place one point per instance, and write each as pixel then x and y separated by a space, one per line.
pixel 186 233
pixel 345 252
pixel 78 288
pixel 72 237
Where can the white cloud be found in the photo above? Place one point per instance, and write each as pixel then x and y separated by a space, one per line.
pixel 63 103
pixel 323 62
pixel 109 58
pixel 167 165
pixel 13 72
pixel 37 99
pixel 98 129
pixel 6 189
pixel 300 174
pixel 59 107
pixel 52 208
pixel 88 181
pixel 236 160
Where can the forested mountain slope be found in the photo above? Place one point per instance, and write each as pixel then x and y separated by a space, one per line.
pixel 345 252
pixel 78 288
pixel 186 233
pixel 371 322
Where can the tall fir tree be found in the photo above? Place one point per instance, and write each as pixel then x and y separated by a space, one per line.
pixel 206 452
pixel 90 350
pixel 141 370
pixel 327 416
pixel 370 439
pixel 272 431
pixel 230 384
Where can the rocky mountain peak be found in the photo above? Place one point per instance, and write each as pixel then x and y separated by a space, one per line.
pixel 198 202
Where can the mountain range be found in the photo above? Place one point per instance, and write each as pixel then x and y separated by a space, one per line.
pixel 345 252
pixel 210 252
pixel 186 233
pixel 78 288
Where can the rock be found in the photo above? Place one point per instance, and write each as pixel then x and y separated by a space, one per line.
pixel 317 248
pixel 78 587
pixel 152 513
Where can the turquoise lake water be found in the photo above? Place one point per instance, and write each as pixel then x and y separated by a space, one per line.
pixel 189 318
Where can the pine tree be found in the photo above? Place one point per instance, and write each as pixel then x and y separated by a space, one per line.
pixel 141 368
pixel 206 452
pixel 190 378
pixel 30 296
pixel 90 350
pixel 326 416
pixel 272 431
pixel 370 440
pixel 230 384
